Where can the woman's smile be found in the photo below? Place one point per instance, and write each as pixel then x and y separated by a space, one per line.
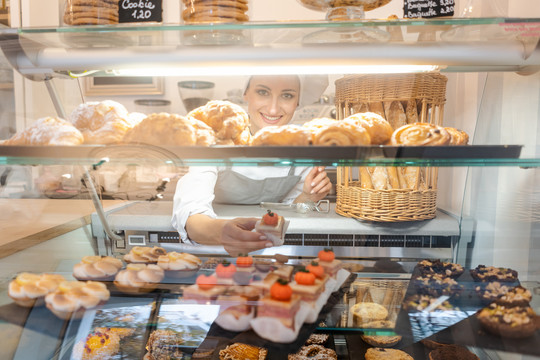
pixel 270 119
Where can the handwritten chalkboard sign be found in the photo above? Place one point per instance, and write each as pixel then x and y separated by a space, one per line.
pixel 428 8
pixel 130 11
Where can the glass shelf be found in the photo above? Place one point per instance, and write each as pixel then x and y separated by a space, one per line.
pixel 441 156
pixel 472 44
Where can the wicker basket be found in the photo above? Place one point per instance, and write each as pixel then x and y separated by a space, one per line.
pixel 360 93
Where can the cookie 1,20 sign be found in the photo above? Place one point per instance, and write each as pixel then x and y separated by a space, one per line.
pixel 428 8
pixel 130 11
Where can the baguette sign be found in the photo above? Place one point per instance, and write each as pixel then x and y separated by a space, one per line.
pixel 428 8
pixel 130 11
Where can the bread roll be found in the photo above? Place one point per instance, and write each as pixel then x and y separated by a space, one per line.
pixel 47 131
pixel 342 133
pixel 228 120
pixel 420 134
pixel 377 127
pixel 288 135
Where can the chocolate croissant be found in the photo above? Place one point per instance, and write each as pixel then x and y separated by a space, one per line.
pixel 342 133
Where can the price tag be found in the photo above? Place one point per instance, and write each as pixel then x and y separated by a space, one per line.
pixel 130 11
pixel 428 8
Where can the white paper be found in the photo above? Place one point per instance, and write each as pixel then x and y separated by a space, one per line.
pixel 314 311
pixel 277 241
pixel 272 329
pixel 230 322
pixel 341 276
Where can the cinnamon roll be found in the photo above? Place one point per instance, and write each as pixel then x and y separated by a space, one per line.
pixel 420 134
pixel 342 133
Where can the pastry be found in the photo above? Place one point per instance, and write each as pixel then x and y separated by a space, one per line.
pixel 315 352
pixel 47 131
pixel 386 354
pixel 164 344
pixel 451 352
pixel 244 263
pixel 491 292
pixel 327 259
pixel 103 122
pixel 317 339
pixel 139 278
pixel 229 121
pixel 96 346
pixel 492 273
pixel 179 265
pixel 368 311
pixel 411 110
pixel 380 340
pixel 99 268
pixel 288 135
pixel 72 298
pixel 517 296
pixel 272 226
pixel 420 134
pixel 26 288
pixel 308 286
pixel 395 114
pixel 317 124
pixel 439 267
pixel 377 108
pixel 239 351
pixel 513 322
pixel 144 254
pixel 342 133
pixel 379 178
pixel 205 289
pixel 280 304
pixel 166 129
pixel 437 285
pixel 457 137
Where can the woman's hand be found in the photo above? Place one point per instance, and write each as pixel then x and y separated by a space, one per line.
pixel 237 237
pixel 316 186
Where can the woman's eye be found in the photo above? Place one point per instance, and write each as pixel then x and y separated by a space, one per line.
pixel 262 92
pixel 288 96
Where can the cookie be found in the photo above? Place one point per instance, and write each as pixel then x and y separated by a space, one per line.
pixel 198 4
pixel 314 352
pixel 451 352
pixel 368 311
pixel 386 354
pixel 93 3
pixel 381 340
pixel 317 339
pixel 204 11
pixel 88 21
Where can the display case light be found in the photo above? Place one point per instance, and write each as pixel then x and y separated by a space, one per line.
pixel 276 70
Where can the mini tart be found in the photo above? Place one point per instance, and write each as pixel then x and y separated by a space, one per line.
pixel 179 265
pixel 98 268
pixel 144 255
pixel 451 352
pixel 492 273
pixel 439 267
pixel 137 278
pixel 386 354
pixel 71 298
pixel 437 285
pixel 26 288
pixel 97 345
pixel 517 296
pixel 491 292
pixel 421 302
pixel 513 322
pixel 315 352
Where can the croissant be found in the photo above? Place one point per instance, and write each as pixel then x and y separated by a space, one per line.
pixel 377 127
pixel 291 135
pixel 164 129
pixel 420 134
pixel 342 133
pixel 47 131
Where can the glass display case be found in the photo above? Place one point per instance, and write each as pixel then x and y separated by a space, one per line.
pixel 62 204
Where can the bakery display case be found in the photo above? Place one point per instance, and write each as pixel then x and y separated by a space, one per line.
pixel 419 283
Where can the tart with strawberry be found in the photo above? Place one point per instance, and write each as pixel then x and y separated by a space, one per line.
pixel 205 289
pixel 327 259
pixel 272 226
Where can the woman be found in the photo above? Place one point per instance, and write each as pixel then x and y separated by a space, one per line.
pixel 272 100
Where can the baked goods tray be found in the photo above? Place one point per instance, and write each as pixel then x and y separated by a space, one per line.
pixel 198 155
pixel 459 324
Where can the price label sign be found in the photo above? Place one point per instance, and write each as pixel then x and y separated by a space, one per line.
pixel 428 8
pixel 130 11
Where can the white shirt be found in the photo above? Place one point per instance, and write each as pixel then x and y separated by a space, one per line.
pixel 195 190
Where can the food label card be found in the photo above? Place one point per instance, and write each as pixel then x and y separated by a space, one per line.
pixel 133 11
pixel 428 8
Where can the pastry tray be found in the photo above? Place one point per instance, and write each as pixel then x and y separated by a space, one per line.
pixel 458 326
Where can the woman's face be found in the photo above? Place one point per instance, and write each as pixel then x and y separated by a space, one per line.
pixel 271 100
